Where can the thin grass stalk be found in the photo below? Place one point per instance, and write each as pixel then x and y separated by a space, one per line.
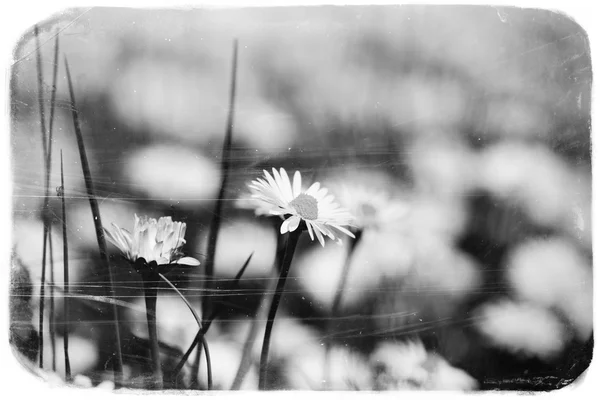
pixel 51 313
pixel 117 360
pixel 261 315
pixel 285 269
pixel 66 298
pixel 335 309
pixel 52 317
pixel 206 323
pixel 199 322
pixel 40 83
pixel 194 383
pixel 208 364
pixel 215 223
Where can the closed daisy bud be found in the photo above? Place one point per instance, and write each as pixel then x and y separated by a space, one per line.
pixel 152 241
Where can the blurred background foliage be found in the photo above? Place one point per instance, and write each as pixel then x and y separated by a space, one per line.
pixel 477 117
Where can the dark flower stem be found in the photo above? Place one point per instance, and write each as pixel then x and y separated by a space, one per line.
pixel 66 272
pixel 335 307
pixel 261 313
pixel 115 341
pixel 285 269
pixel 150 293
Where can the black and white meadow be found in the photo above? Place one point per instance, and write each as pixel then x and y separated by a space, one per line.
pixel 357 198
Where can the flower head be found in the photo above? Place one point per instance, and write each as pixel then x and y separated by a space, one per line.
pixel 276 195
pixel 159 241
pixel 372 208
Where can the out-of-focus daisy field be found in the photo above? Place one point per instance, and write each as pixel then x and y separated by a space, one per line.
pixel 446 246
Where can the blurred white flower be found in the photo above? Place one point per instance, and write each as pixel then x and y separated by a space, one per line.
pixel 154 241
pixel 408 366
pixel 237 240
pixel 538 179
pixel 522 328
pixel 314 206
pixel 318 272
pixel 83 354
pixel 442 166
pixel 554 273
pixel 176 325
pixel 80 223
pixel 27 235
pixel 225 357
pixel 372 208
pixel 348 370
pixel 289 339
pixel 173 174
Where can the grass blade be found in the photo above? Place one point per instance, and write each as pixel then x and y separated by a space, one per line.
pixel 66 297
pixel 208 363
pixel 225 166
pixel 51 314
pixel 116 340
pixel 52 323
pixel 261 315
pixel 187 303
pixel 199 322
pixel 40 83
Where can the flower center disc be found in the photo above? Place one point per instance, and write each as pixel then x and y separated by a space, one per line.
pixel 306 206
pixel 368 210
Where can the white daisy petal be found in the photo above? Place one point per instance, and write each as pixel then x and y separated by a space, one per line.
pixel 287 187
pixel 159 241
pixel 284 226
pixel 188 261
pixel 310 230
pixel 313 188
pixel 294 222
pixel 297 184
pixel 319 236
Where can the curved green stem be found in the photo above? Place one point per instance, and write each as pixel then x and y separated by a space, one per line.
pixel 285 269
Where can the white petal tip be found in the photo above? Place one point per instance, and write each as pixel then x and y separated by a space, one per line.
pixel 192 262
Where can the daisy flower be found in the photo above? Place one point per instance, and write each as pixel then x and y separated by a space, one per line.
pixel 154 241
pixel 276 195
pixel 372 208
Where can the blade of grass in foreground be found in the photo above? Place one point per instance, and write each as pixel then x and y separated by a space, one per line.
pixel 261 315
pixel 66 298
pixel 52 322
pixel 51 319
pixel 225 165
pixel 117 359
pixel 199 322
pixel 206 324
pixel 215 224
pixel 40 83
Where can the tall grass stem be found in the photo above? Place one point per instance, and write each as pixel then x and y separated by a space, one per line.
pixel 115 341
